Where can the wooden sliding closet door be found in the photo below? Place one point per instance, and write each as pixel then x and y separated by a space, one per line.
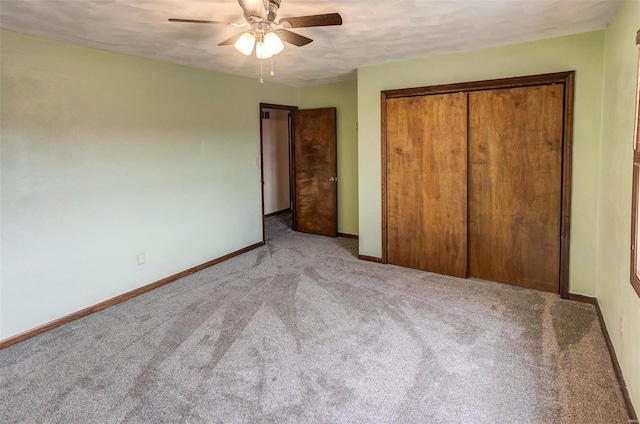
pixel 426 183
pixel 515 180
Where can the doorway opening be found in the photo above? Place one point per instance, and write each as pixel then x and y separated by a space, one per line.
pixel 276 151
pixel 304 143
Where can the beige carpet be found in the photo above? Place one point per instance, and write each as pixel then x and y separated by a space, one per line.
pixel 300 331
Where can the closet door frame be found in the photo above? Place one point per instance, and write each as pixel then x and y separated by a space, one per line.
pixel 565 78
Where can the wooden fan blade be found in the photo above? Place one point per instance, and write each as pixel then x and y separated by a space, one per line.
pixel 197 21
pixel 293 38
pixel 312 21
pixel 231 41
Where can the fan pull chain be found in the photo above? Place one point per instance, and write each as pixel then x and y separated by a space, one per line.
pixel 272 73
pixel 261 79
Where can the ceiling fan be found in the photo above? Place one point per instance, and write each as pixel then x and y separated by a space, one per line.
pixel 264 33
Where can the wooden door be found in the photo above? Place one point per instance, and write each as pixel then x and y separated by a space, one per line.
pixel 315 172
pixel 515 180
pixel 426 183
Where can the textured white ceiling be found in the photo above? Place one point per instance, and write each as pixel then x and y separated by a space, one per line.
pixel 374 31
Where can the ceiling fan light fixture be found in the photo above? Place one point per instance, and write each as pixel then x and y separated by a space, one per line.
pixel 263 51
pixel 261 15
pixel 245 43
pixel 273 43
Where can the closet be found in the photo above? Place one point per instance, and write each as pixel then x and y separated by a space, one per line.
pixel 476 179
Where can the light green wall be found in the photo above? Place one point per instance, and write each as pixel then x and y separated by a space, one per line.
pixel 617 298
pixel 343 96
pixel 105 155
pixel 582 53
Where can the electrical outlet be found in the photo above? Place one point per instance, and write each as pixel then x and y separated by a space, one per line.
pixel 140 259
pixel 622 325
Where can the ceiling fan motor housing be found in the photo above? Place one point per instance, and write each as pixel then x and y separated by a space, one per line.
pixel 272 10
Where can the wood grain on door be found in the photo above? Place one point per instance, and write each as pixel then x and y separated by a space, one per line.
pixel 315 174
pixel 427 183
pixel 515 181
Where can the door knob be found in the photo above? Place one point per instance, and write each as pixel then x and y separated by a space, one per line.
pixel 333 179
